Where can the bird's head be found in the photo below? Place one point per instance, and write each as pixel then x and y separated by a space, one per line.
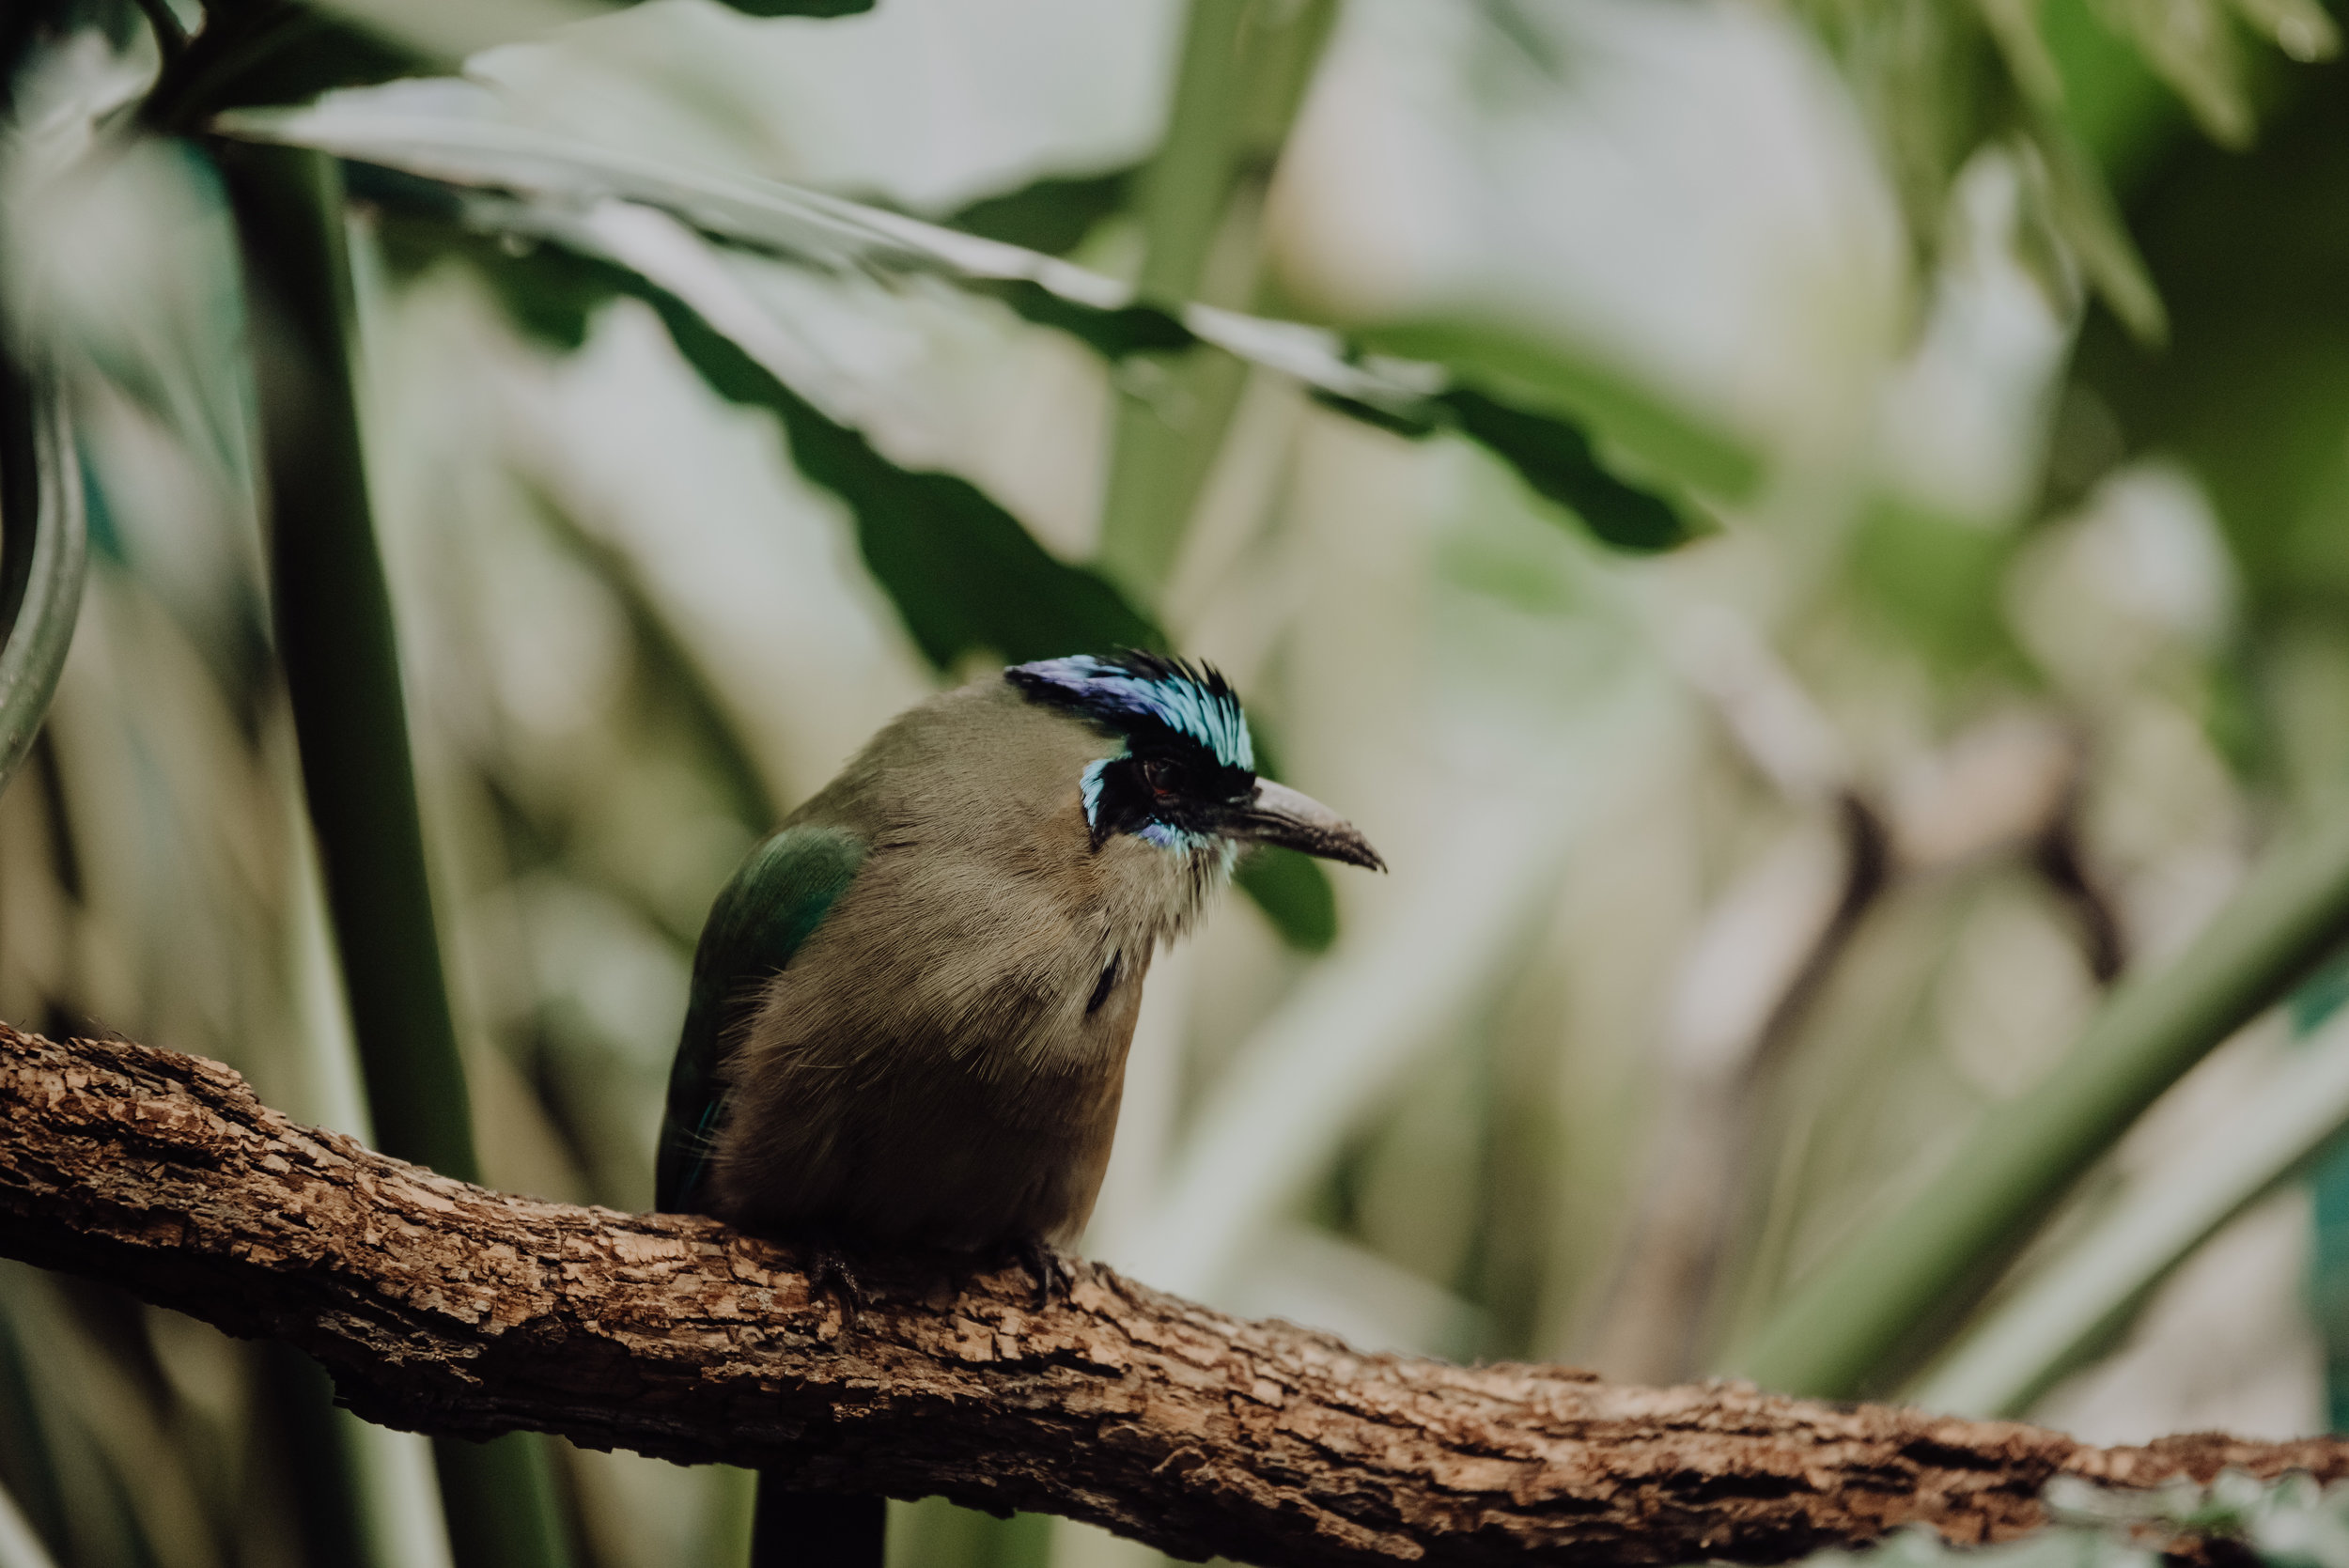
pixel 1185 777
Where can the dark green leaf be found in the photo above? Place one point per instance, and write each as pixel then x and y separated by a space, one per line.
pixel 962 571
pixel 1051 215
pixel 2254 390
pixel 1556 459
pixel 271 52
pixel 1292 888
pixel 1519 365
pixel 799 7
pixel 549 291
pixel 1412 424
pixel 1294 892
pixel 550 177
pixel 1552 456
pixel 1111 334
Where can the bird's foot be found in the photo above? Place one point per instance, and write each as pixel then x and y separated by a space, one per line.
pixel 829 1274
pixel 1046 1265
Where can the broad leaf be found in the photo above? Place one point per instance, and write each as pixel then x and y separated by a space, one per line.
pixel 442 132
pixel 275 52
pixel 1557 461
pixel 797 8
pixel 1294 892
pixel 264 52
pixel 1052 215
pixel 966 575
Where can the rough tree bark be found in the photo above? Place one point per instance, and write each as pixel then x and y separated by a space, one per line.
pixel 450 1309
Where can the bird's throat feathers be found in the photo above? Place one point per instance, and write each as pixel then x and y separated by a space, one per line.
pixel 1166 875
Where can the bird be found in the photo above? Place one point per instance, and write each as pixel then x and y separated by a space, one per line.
pixel 911 1006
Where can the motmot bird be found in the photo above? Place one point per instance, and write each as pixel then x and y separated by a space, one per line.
pixel 911 1006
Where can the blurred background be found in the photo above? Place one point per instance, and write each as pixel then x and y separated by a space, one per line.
pixel 1814 536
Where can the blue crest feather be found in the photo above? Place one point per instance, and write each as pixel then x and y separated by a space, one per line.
pixel 1134 689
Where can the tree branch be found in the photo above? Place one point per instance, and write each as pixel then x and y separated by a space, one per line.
pixel 446 1308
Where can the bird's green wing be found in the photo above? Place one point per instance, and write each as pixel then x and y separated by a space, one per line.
pixel 772 904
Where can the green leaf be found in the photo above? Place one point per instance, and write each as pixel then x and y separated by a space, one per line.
pixel 1504 362
pixel 2301 28
pixel 2113 105
pixel 1239 79
pixel 963 572
pixel 550 292
pixel 1291 888
pixel 1051 215
pixel 1136 329
pixel 2254 390
pixel 40 566
pixel 2192 46
pixel 270 52
pixel 274 52
pixel 2013 27
pixel 550 179
pixel 1556 460
pixel 2081 209
pixel 1294 892
pixel 798 7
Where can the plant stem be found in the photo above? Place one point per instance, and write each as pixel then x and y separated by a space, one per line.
pixel 2043 1328
pixel 335 635
pixel 1880 1302
pixel 1236 88
pixel 44 547
pixel 327 1517
pixel 171 39
pixel 1183 193
pixel 333 619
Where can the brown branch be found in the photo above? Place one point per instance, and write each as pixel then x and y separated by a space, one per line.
pixel 450 1309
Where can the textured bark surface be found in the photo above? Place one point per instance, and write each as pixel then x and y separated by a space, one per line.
pixel 451 1310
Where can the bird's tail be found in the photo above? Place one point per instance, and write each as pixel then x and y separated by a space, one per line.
pixel 816 1529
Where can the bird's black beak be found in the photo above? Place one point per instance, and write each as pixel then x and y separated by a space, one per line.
pixel 1276 814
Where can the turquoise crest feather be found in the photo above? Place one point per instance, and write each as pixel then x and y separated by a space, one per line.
pixel 1144 688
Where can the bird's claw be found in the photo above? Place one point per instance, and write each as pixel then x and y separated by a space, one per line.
pixel 1048 1266
pixel 829 1274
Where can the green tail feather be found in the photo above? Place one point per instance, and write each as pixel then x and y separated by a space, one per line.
pixel 763 915
pixel 771 906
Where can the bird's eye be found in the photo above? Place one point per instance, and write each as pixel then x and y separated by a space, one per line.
pixel 1160 775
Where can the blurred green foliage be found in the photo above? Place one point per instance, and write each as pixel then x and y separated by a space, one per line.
pixel 1945 403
